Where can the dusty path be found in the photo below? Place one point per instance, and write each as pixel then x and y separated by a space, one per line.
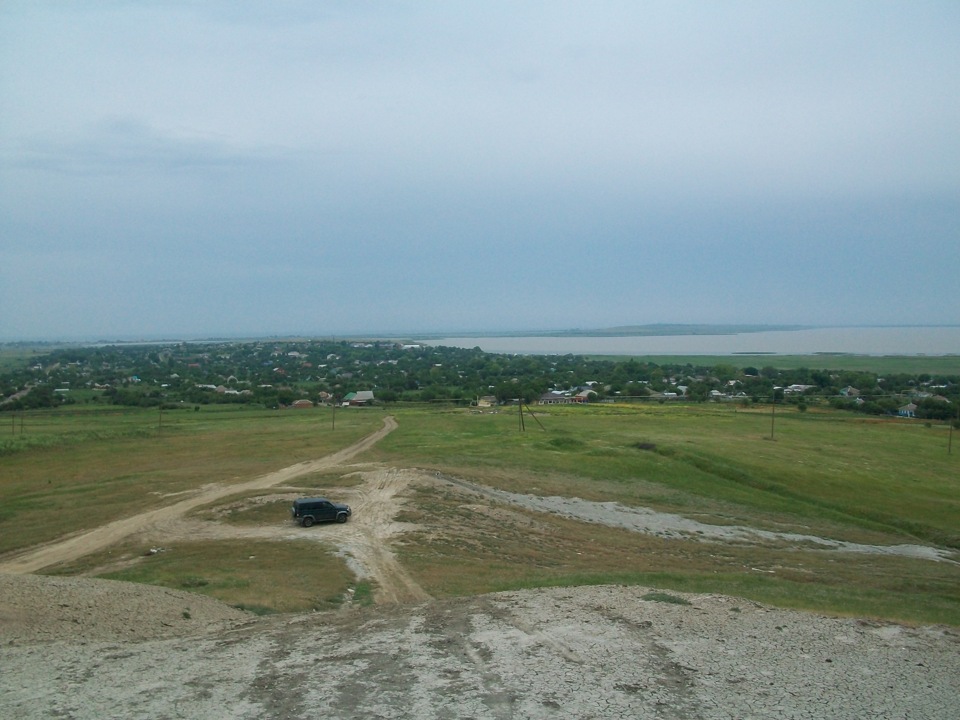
pixel 364 542
pixel 91 541
pixel 366 537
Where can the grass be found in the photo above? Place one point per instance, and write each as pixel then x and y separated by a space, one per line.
pixel 854 478
pixel 825 473
pixel 92 468
pixel 363 594
pixel 509 549
pixel 259 576
pixel 15 356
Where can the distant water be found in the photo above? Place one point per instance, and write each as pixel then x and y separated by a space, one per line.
pixel 848 340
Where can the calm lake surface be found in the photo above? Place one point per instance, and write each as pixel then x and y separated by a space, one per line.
pixel 851 340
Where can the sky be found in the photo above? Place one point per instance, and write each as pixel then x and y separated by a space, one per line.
pixel 211 169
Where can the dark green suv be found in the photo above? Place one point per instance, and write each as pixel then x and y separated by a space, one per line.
pixel 308 511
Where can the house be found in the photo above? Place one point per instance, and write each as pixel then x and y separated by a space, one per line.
pixel 908 410
pixel 302 403
pixel 487 401
pixel 850 391
pixel 555 397
pixel 357 399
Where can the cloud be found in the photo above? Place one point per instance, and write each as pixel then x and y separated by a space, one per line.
pixel 119 146
pixel 369 165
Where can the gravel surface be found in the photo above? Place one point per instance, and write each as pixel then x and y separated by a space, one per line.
pixel 36 608
pixel 676 527
pixel 80 648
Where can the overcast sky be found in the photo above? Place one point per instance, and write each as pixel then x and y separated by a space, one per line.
pixel 186 169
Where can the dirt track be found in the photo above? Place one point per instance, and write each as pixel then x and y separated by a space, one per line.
pixel 85 543
pixel 364 541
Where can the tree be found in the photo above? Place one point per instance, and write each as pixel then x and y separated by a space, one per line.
pixel 387 396
pixel 724 372
pixel 698 391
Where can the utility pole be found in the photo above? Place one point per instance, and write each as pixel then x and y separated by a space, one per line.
pixel 534 416
pixel 950 438
pixel 520 407
pixel 773 412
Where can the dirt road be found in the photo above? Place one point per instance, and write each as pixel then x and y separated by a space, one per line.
pixel 364 542
pixel 366 537
pixel 77 546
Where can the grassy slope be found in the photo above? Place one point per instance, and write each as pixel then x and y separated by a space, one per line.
pixel 858 474
pixel 831 474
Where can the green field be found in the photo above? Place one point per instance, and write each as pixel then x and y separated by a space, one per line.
pixel 826 473
pixel 880 364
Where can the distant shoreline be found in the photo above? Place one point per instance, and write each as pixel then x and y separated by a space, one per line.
pixel 730 341
pixel 620 331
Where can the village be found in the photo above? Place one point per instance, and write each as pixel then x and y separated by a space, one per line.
pixel 302 374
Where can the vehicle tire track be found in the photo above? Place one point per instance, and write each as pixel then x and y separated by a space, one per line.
pixel 366 537
pixel 72 548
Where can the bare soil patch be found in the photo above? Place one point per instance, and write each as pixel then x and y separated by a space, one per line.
pixel 595 652
pixel 36 608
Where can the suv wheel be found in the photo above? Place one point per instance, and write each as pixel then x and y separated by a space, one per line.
pixel 341 517
pixel 307 521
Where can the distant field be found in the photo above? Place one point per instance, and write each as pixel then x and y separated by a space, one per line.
pixel 847 477
pixel 13 357
pixel 891 364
